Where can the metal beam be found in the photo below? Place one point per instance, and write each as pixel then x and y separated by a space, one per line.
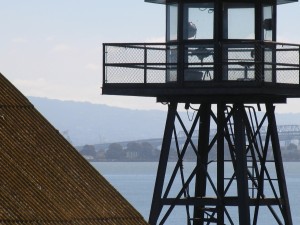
pixel 241 166
pixel 220 160
pixel 211 201
pixel 156 206
pixel 279 165
pixel 202 159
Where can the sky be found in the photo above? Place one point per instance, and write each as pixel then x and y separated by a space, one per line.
pixel 53 48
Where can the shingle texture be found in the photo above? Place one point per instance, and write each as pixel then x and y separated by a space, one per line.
pixel 44 180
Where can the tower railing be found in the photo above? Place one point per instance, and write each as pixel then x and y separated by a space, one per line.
pixel 160 64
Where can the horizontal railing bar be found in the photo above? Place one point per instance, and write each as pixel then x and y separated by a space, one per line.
pixel 141 64
pixel 208 42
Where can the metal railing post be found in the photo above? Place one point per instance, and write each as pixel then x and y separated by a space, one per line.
pixel 298 65
pixel 145 64
pixel 104 64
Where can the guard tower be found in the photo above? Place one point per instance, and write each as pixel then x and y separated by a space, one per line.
pixel 222 54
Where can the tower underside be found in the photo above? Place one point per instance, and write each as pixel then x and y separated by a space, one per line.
pixel 226 167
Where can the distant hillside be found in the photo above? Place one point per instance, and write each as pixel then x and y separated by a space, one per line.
pixel 86 123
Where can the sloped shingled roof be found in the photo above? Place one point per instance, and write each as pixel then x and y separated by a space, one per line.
pixel 44 180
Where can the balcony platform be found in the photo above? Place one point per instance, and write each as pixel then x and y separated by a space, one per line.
pixel 248 71
pixel 250 93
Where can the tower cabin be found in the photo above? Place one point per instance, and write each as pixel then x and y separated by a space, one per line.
pixel 214 49
pixel 224 53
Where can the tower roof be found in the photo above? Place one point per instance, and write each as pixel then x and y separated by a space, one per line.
pixel 44 180
pixel 171 1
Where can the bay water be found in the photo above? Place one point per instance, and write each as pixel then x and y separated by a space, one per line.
pixel 135 181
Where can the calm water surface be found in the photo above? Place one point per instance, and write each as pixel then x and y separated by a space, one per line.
pixel 135 181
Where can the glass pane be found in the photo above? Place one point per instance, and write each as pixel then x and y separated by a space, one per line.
pixel 268 64
pixel 267 22
pixel 239 21
pixel 171 75
pixel 199 63
pixel 172 22
pixel 241 62
pixel 198 21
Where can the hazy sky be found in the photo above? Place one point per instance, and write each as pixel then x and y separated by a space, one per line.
pixel 53 48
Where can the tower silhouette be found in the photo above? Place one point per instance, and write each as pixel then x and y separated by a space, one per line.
pixel 222 62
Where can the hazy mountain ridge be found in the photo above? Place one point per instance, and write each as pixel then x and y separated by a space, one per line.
pixel 87 123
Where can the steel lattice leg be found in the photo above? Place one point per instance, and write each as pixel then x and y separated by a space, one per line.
pixel 156 204
pixel 237 190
